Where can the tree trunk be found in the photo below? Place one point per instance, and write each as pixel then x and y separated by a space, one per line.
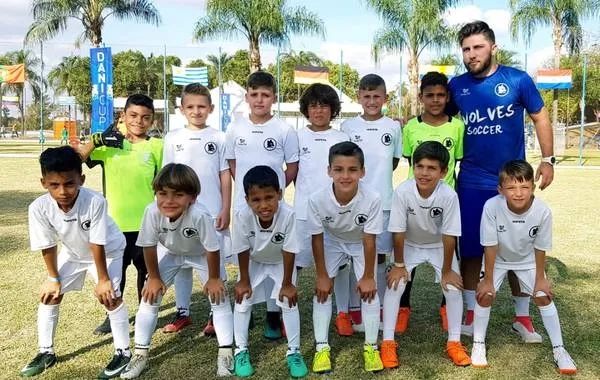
pixel 557 41
pixel 254 50
pixel 413 79
pixel 96 37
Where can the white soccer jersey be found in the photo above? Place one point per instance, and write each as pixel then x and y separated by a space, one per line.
pixel 204 151
pixel 249 144
pixel 347 223
pixel 265 244
pixel 193 233
pixel 381 142
pixel 87 222
pixel 312 168
pixel 424 220
pixel 516 235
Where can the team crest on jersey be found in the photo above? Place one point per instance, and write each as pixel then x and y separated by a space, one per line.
pixel 146 157
pixel 242 141
pixel 465 92
pixel 210 147
pixel 436 212
pixel 86 225
pixel 189 232
pixel 386 139
pixel 448 142
pixel 501 89
pixel 533 231
pixel 278 238
pixel 270 143
pixel 360 219
pixel 178 147
pixel 501 228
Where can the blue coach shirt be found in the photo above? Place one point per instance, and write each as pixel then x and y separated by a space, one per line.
pixel 492 110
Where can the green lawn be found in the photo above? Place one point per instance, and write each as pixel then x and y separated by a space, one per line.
pixel 573 266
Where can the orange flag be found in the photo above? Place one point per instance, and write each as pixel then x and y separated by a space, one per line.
pixel 12 74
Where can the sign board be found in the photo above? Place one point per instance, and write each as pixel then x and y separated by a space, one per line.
pixel 66 100
pixel 102 88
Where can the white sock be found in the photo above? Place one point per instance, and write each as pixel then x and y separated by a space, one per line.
pixel 469 298
pixel 354 297
pixel 321 320
pixel 521 306
pixel 552 323
pixel 480 323
pixel 381 280
pixel 183 290
pixel 454 310
pixel 145 323
pixel 341 289
pixel 119 325
pixel 223 321
pixel 47 320
pixel 391 303
pixel 370 317
pixel 291 321
pixel 241 321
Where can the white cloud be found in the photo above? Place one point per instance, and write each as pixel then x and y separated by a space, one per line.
pixel 498 19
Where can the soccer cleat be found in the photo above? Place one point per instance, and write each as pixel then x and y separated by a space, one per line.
pixel 296 365
pixel 178 323
pixel 457 352
pixel 467 328
pixel 524 327
pixel 444 318
pixel 402 320
pixel 242 366
pixel 322 361
pixel 478 355
pixel 372 359
pixel 209 329
pixel 39 364
pixel 116 366
pixel 389 354
pixel 273 326
pixel 225 362
pixel 103 328
pixel 343 324
pixel 563 361
pixel 136 366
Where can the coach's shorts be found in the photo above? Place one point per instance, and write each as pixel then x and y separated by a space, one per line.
pixel 385 242
pixel 338 254
pixel 526 278
pixel 72 272
pixel 471 207
pixel 259 274
pixel 415 256
pixel 304 257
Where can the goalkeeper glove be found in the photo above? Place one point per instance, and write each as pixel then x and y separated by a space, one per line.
pixel 110 137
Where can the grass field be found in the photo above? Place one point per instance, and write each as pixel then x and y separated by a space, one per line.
pixel 573 266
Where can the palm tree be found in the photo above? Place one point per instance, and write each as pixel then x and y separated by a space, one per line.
pixel 302 58
pixel 52 16
pixel 219 60
pixel 413 25
pixel 563 16
pixel 508 58
pixel 259 21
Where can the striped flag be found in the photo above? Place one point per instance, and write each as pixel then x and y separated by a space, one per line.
pixel 554 79
pixel 12 74
pixel 310 74
pixel 10 100
pixel 187 75
pixel 447 70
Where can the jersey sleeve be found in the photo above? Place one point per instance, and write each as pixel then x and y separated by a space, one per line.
pixel 374 223
pixel 41 234
pixel 543 238
pixel 529 94
pixel 99 222
pixel 460 136
pixel 451 108
pixel 230 143
pixel 398 218
pixel 290 244
pixel 314 225
pixel 208 234
pixel 398 142
pixel 487 231
pixel 168 153
pixel 451 221
pixel 148 235
pixel 157 151
pixel 290 146
pixel 239 236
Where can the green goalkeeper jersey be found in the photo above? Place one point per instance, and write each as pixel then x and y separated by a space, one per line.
pixel 128 175
pixel 450 134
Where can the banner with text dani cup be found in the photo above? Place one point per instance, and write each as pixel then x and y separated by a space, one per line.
pixel 102 88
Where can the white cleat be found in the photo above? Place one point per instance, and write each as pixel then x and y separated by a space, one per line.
pixel 136 366
pixel 524 328
pixel 225 362
pixel 563 361
pixel 466 330
pixel 478 355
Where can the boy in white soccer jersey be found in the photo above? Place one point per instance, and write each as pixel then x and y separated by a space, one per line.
pixel 516 232
pixel 186 229
pixel 262 140
pixel 425 222
pixel 381 139
pixel 344 220
pixel 264 239
pixel 320 104
pixel 203 149
pixel 91 243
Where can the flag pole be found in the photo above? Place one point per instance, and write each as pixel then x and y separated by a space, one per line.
pixel 166 109
pixel 220 84
pixel 278 83
pixel 581 130
pixel 41 94
pixel 400 89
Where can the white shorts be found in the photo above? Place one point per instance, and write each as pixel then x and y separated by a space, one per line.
pixel 162 252
pixel 414 256
pixel 526 278
pixel 304 257
pixel 259 272
pixel 338 254
pixel 169 265
pixel 72 273
pixel 384 243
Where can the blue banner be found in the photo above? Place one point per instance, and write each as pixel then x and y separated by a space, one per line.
pixel 102 88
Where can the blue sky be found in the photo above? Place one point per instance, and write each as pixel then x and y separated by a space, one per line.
pixel 350 27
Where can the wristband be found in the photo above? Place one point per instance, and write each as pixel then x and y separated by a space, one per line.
pixel 53 279
pixel 399 265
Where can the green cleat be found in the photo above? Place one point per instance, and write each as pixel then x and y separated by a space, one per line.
pixel 39 364
pixel 296 365
pixel 115 367
pixel 242 366
pixel 373 361
pixel 273 326
pixel 322 361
